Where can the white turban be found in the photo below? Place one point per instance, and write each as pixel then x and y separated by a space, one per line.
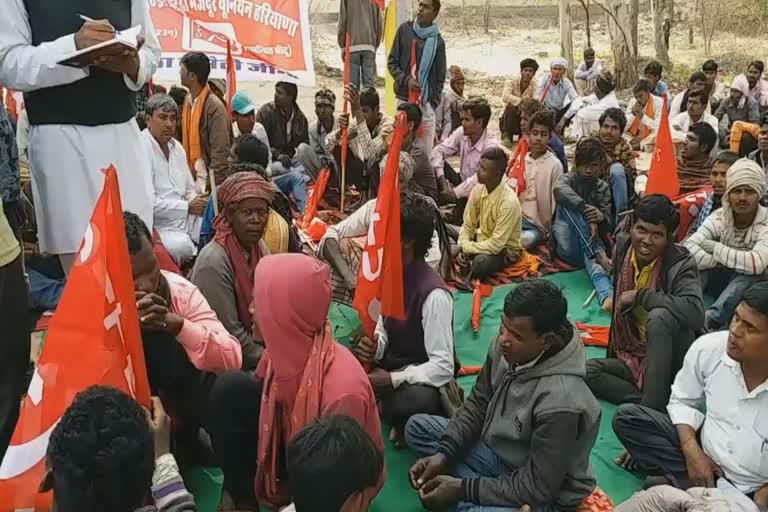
pixel 741 84
pixel 559 62
pixel 745 172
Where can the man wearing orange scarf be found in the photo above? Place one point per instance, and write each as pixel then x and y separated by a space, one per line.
pixel 205 126
pixel 643 113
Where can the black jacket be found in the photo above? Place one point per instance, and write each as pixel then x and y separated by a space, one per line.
pixel 399 64
pixel 680 291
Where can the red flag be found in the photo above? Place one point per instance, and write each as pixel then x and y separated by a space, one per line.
pixel 414 96
pixel 231 78
pixel 345 131
pixel 481 291
pixel 516 167
pixel 11 106
pixel 380 278
pixel 662 178
pixel 313 198
pixel 690 206
pixel 94 338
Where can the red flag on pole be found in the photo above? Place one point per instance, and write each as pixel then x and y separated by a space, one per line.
pixel 414 96
pixel 231 78
pixel 94 338
pixel 690 207
pixel 345 132
pixel 662 178
pixel 380 278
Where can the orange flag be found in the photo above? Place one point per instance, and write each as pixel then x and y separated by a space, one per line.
pixel 516 167
pixel 662 178
pixel 481 291
pixel 380 278
pixel 11 106
pixel 313 198
pixel 231 78
pixel 94 338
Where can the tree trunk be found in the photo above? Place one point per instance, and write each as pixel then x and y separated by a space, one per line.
pixel 660 44
pixel 487 15
pixel 566 34
pixel 691 20
pixel 589 28
pixel 622 28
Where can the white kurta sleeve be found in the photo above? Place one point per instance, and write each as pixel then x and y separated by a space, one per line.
pixel 437 321
pixel 24 67
pixel 149 54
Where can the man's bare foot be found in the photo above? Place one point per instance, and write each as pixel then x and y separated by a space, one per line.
pixel 397 438
pixel 626 461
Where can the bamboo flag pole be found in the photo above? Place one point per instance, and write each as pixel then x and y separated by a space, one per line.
pixel 345 131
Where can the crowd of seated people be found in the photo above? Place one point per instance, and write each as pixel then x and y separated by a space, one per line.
pixel 242 354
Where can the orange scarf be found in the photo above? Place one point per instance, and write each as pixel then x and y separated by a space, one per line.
pixel 650 112
pixel 190 122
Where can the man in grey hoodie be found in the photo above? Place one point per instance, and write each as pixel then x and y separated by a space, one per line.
pixel 524 435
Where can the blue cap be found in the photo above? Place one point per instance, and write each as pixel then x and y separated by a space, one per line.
pixel 242 103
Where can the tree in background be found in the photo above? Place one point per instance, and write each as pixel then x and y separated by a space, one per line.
pixel 621 17
pixel 566 35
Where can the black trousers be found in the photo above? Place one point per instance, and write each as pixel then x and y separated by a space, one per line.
pixel 611 379
pixel 509 123
pixel 14 347
pixel 183 389
pixel 651 438
pixel 234 429
pixel 397 405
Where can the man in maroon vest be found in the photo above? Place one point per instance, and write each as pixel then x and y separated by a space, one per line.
pixel 413 358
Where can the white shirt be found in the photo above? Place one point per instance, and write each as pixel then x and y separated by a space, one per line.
pixel 260 132
pixel 710 380
pixel 174 185
pixel 66 160
pixel 586 112
pixel 357 225
pixel 437 322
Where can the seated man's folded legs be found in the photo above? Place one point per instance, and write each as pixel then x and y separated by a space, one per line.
pixel 619 190
pixel 612 380
pixel 651 439
pixel 718 315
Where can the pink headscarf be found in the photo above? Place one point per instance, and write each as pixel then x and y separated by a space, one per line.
pixel 292 301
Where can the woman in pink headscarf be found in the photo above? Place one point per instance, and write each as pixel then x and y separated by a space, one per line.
pixel 302 376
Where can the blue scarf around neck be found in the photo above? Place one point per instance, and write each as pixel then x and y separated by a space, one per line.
pixel 429 33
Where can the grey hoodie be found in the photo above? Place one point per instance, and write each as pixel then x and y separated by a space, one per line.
pixel 542 421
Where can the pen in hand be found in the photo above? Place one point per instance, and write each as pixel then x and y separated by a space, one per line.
pixel 106 23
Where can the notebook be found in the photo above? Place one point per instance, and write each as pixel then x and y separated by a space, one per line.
pixel 128 38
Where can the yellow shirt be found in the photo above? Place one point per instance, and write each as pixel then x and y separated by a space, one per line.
pixel 492 222
pixel 642 279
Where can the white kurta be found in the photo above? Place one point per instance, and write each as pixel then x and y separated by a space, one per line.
pixel 66 160
pixel 174 188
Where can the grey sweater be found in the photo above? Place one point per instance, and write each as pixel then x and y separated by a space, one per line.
pixel 541 421
pixel 362 19
pixel 214 276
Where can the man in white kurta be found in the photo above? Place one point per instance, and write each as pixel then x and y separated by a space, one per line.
pixel 66 153
pixel 177 207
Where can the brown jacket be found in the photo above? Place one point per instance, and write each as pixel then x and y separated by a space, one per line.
pixel 215 138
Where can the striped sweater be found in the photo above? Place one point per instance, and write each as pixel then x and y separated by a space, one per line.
pixel 168 489
pixel 748 255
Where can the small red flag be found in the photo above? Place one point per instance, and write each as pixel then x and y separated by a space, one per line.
pixel 516 167
pixel 345 131
pixel 11 106
pixel 94 338
pixel 380 278
pixel 690 207
pixel 414 96
pixel 313 198
pixel 662 178
pixel 231 78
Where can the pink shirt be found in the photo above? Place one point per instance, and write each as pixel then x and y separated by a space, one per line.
pixel 207 343
pixel 459 144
